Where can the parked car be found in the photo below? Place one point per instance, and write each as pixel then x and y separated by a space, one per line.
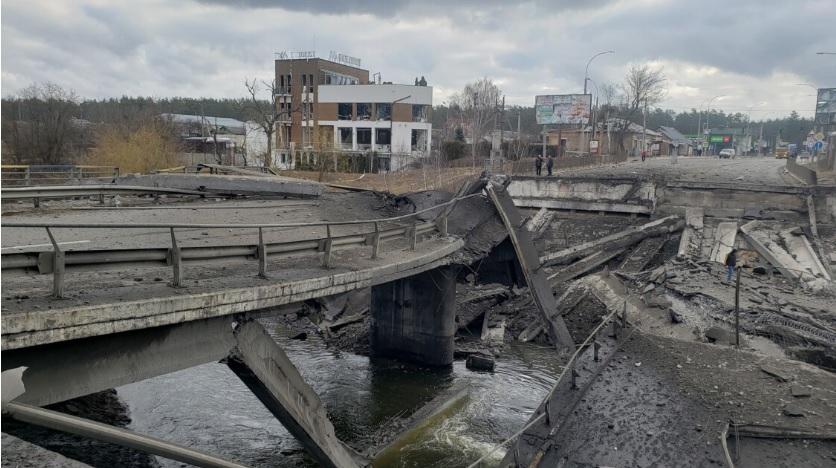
pixel 727 153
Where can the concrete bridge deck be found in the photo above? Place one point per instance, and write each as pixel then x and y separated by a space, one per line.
pixel 105 302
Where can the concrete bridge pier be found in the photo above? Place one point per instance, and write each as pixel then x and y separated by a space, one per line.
pixel 414 318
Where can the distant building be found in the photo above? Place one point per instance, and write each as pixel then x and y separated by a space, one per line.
pixel 735 138
pixel 634 137
pixel 678 143
pixel 237 141
pixel 326 106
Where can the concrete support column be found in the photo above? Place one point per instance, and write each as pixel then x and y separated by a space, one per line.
pixel 415 318
pixel 354 138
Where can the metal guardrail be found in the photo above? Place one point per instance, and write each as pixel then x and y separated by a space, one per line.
pixel 56 261
pixel 36 194
pixel 26 175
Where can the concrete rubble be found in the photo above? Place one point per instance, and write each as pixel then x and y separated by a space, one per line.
pixel 789 252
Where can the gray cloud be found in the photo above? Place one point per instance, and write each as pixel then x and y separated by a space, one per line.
pixel 389 8
pixel 750 50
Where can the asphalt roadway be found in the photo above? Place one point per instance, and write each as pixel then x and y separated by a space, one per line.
pixel 709 169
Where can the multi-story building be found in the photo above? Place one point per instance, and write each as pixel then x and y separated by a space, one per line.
pixel 326 106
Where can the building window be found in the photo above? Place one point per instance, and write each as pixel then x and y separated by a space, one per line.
pixel 304 80
pixel 383 139
pixel 333 78
pixel 419 140
pixel 344 111
pixel 364 111
pixel 384 112
pixel 420 113
pixel 364 138
pixel 345 138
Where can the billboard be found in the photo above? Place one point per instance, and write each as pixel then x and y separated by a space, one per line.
pixel 826 106
pixel 563 109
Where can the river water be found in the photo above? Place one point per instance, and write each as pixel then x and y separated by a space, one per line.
pixel 208 408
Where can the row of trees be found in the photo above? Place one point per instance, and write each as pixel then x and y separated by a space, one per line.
pixel 47 124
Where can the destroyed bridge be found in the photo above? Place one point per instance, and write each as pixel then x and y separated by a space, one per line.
pixel 93 304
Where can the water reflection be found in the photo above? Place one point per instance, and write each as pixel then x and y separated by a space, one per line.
pixel 208 408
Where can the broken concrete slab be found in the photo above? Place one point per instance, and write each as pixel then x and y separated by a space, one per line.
pixel 228 184
pixel 426 419
pixel 779 374
pixel 691 241
pixel 584 265
pixel 765 241
pixel 480 362
pixel 799 247
pixel 267 371
pixel 724 238
pixel 622 239
pixel 530 264
pixel 642 254
pixel 538 223
pixel 793 410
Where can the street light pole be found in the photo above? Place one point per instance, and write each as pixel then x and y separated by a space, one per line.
pixel 586 73
pixel 585 79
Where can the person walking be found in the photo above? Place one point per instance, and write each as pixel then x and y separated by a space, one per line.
pixel 731 263
pixel 550 164
pixel 538 164
pixel 644 154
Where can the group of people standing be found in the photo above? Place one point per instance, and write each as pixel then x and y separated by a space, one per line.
pixel 538 164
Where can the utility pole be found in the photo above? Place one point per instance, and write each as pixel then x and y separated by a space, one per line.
pixel 760 142
pixel 501 127
pixel 644 127
pixel 518 123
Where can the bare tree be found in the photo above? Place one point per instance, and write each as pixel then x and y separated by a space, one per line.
pixel 214 129
pixel 45 130
pixel 478 104
pixel 263 112
pixel 643 86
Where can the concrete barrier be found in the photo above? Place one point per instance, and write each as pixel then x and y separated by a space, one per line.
pixel 803 173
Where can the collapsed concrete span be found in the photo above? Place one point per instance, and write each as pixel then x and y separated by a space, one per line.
pixel 228 184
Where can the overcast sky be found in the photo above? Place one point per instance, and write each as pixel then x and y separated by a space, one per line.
pixel 750 51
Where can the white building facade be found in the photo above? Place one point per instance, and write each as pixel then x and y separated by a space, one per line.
pixel 389 119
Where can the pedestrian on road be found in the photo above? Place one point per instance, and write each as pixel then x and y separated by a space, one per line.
pixel 550 164
pixel 731 263
pixel 538 164
pixel 644 153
